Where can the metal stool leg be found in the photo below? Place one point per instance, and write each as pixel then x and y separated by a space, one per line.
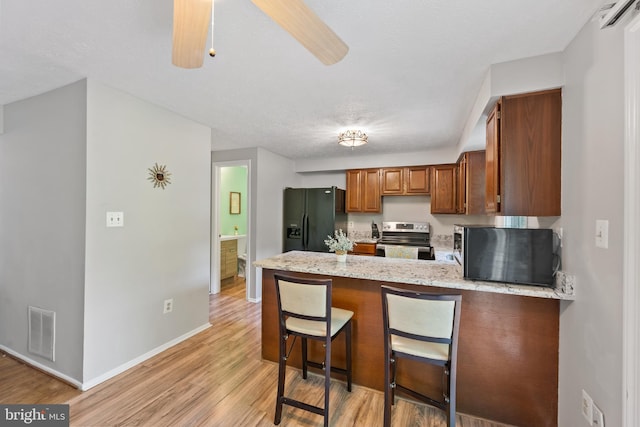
pixel 451 406
pixel 348 349
pixel 304 358
pixel 388 397
pixel 327 379
pixel 282 367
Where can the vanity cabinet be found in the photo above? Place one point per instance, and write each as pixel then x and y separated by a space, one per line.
pixel 444 188
pixel 523 155
pixel 228 258
pixel 411 180
pixel 363 190
pixel 471 183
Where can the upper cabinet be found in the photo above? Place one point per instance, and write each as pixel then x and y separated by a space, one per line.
pixel 461 184
pixel 471 183
pixel 523 155
pixel 363 190
pixel 444 189
pixel 492 176
pixel 412 180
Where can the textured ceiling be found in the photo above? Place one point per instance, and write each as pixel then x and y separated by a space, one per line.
pixel 410 78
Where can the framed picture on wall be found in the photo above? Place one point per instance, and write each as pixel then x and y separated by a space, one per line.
pixel 234 202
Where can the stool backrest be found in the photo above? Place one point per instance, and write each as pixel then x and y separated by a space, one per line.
pixel 421 316
pixel 407 252
pixel 303 298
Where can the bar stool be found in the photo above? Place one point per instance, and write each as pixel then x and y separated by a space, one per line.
pixel 304 310
pixel 423 327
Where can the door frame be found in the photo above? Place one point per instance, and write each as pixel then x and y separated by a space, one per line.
pixel 214 286
pixel 631 274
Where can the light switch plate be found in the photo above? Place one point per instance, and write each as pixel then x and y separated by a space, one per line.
pixel 115 219
pixel 602 233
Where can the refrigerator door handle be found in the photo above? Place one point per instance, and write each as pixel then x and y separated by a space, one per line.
pixel 305 232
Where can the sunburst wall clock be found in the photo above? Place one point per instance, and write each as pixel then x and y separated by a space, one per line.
pixel 159 175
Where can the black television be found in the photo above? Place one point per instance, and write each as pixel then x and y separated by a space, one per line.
pixel 509 255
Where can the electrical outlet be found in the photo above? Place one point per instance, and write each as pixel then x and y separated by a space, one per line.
pixel 168 306
pixel 598 416
pixel 587 407
pixel 350 225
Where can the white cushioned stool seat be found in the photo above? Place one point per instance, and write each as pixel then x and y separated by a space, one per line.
pixel 426 349
pixel 339 318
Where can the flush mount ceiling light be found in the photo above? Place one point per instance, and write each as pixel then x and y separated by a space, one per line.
pixel 352 138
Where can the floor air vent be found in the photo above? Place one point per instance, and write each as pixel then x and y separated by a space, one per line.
pixel 42 337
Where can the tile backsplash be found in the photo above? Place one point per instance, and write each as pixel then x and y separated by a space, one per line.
pixel 418 209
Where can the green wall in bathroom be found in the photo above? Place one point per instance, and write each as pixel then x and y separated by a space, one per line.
pixel 233 178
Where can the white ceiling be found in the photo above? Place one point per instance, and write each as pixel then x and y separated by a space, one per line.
pixel 410 78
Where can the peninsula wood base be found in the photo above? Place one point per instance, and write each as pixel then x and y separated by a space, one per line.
pixel 507 355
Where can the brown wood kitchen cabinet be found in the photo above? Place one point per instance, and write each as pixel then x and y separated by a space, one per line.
pixel 461 187
pixel 411 180
pixel 363 190
pixel 523 155
pixel 471 183
pixel 364 248
pixel 443 188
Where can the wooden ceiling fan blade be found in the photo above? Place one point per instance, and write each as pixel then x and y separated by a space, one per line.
pixel 190 28
pixel 303 24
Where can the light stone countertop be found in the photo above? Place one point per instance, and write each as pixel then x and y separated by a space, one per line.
pixel 439 273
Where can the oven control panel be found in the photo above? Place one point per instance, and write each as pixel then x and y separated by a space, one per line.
pixel 416 227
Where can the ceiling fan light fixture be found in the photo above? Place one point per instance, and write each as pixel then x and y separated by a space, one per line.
pixel 190 29
pixel 352 138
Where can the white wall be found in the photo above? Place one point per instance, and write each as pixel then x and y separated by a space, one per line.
pixel 42 215
pixel 274 173
pixel 323 179
pixel 508 78
pixel 162 251
pixel 353 160
pixel 592 188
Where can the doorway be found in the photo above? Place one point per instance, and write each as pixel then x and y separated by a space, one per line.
pixel 230 224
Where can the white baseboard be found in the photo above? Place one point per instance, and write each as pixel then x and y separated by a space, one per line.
pixel 84 386
pixel 42 367
pixel 148 355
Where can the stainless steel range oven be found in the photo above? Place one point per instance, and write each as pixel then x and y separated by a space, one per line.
pixel 414 234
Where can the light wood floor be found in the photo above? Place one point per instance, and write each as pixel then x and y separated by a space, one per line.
pixel 215 378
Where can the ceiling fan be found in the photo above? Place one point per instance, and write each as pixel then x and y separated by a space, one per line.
pixel 191 25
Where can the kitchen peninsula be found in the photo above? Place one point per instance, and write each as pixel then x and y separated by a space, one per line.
pixel 508 351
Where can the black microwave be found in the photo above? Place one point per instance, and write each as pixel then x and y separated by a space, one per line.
pixel 509 255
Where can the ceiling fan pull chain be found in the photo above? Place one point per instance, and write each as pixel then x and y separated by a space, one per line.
pixel 212 51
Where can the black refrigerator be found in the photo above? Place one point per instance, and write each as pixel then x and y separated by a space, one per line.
pixel 310 215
